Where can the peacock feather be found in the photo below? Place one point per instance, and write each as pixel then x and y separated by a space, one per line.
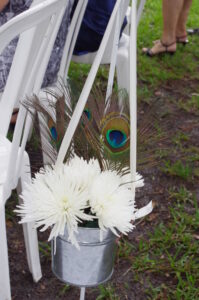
pixel 53 130
pixel 53 113
pixel 108 130
pixel 102 133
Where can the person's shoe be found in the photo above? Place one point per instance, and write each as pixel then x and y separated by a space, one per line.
pixel 182 40
pixel 160 48
pixel 193 31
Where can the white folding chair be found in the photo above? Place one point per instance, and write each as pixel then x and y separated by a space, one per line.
pixel 122 64
pixel 37 28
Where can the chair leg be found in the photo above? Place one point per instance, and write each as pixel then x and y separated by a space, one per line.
pixel 30 233
pixel 5 293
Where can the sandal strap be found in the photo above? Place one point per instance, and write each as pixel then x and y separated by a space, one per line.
pixel 181 37
pixel 149 52
pixel 167 45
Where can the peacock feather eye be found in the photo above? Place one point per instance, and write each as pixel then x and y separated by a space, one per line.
pixel 116 138
pixel 115 129
pixel 54 133
pixel 53 130
pixel 87 113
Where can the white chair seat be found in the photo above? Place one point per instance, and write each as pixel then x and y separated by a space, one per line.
pixel 122 61
pixel 89 57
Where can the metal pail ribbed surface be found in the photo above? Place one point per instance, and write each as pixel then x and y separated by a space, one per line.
pixel 89 266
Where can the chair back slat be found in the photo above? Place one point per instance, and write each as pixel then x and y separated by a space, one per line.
pixel 72 37
pixel 37 28
pixel 113 58
pixel 133 95
pixel 140 10
pixel 35 23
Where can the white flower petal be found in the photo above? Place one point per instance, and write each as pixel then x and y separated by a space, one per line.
pixel 57 198
pixel 112 202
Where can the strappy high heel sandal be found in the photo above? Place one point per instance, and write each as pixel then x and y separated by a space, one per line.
pixel 182 40
pixel 166 50
pixel 193 31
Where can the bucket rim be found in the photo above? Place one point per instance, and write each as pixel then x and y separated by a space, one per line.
pixel 93 239
pixel 103 242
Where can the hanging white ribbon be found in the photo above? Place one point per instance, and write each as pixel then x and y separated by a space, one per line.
pixel 142 212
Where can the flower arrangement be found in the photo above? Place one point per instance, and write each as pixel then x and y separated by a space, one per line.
pixel 92 188
pixel 76 194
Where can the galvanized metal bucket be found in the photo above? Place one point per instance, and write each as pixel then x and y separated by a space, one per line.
pixel 89 266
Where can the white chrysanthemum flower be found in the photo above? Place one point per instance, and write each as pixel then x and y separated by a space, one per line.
pixel 127 179
pixel 84 171
pixel 56 198
pixel 112 202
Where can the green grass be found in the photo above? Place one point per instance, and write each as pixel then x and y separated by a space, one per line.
pixel 181 194
pixel 64 290
pixel 107 293
pixel 190 105
pixel 10 214
pixel 178 169
pixel 45 250
pixel 155 71
pixel 124 248
pixel 172 252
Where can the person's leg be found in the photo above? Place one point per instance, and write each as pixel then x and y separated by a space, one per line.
pixel 3 3
pixel 171 11
pixel 181 24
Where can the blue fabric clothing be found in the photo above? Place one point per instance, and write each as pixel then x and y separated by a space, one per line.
pixel 93 26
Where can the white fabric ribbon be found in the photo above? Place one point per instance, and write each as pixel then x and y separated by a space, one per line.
pixel 142 212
